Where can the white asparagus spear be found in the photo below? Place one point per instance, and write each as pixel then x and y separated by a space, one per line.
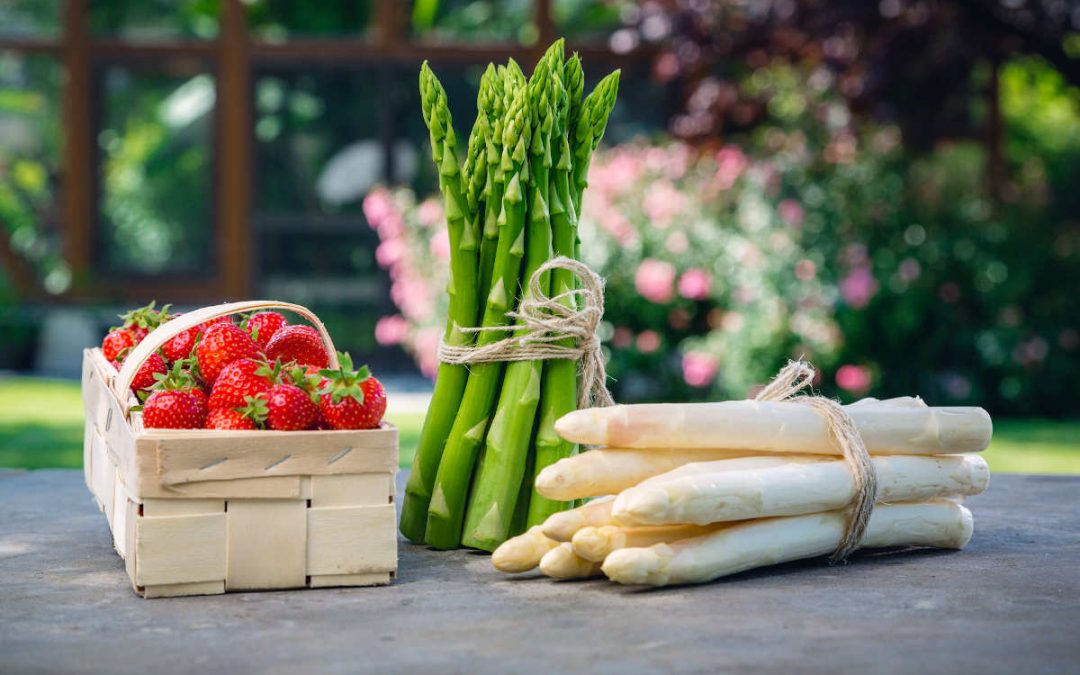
pixel 707 493
pixel 562 563
pixel 595 543
pixel 778 427
pixel 523 552
pixel 561 526
pixel 608 471
pixel 940 523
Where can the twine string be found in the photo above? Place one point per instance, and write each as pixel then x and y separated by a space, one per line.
pixel 786 387
pixel 545 328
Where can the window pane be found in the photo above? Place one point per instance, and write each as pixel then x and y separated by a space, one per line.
pixel 276 20
pixel 474 21
pixel 589 20
pixel 316 138
pixel 30 18
pixel 155 19
pixel 156 175
pixel 30 163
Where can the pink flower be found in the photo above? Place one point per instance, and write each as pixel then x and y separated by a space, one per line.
pixel 389 252
pixel 391 226
pixel 859 287
pixel 676 242
pixel 655 280
pixel 440 244
pixel 662 202
pixel 855 379
pixel 377 204
pixel 648 341
pixel 730 163
pixel 430 212
pixel 791 212
pixel 695 284
pixel 805 270
pixel 699 369
pixel 427 350
pixel 622 337
pixel 391 330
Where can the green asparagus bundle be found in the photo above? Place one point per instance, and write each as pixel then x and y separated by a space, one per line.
pixel 510 208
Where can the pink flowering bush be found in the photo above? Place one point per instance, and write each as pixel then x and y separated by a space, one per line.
pixel 701 258
pixel 415 251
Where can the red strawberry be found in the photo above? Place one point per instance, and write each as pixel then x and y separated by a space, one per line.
pixel 144 319
pixel 351 399
pixel 175 409
pixel 229 419
pixel 297 343
pixel 263 326
pixel 117 342
pixel 221 319
pixel 290 408
pixel 180 347
pixel 239 380
pixel 144 376
pixel 221 344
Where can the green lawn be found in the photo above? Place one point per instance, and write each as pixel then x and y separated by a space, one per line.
pixel 41 425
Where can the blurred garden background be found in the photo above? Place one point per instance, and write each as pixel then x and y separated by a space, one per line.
pixel 888 189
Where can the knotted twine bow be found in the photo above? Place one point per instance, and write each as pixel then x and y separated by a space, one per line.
pixel 541 324
pixel 792 379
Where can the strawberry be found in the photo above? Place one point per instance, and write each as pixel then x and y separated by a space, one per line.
pixel 229 419
pixel 239 380
pixel 351 399
pixel 221 344
pixel 175 409
pixel 301 344
pixel 221 319
pixel 117 343
pixel 290 408
pixel 145 375
pixel 181 346
pixel 263 326
pixel 144 319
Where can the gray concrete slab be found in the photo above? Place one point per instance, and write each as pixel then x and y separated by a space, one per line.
pixel 1009 603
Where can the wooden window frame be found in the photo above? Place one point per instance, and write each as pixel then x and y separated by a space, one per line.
pixel 233 56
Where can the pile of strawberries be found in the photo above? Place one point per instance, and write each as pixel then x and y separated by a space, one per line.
pixel 260 374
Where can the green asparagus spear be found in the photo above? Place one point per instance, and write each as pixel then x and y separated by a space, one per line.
pixel 450 383
pixel 499 478
pixel 474 173
pixel 589 129
pixel 574 79
pixel 509 80
pixel 446 511
pixel 559 390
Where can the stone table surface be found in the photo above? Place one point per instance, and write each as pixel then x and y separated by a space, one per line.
pixel 1009 603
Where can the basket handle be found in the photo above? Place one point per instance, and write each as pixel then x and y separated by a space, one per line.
pixel 170 329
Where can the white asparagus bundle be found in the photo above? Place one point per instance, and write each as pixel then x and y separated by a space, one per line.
pixel 523 552
pixel 596 543
pixel 562 563
pixel 561 526
pixel 745 546
pixel 608 471
pixel 766 426
pixel 709 492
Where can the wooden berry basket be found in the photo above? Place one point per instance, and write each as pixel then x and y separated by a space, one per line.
pixel 197 512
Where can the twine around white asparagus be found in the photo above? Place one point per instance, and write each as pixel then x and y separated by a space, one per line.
pixel 786 386
pixel 541 323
